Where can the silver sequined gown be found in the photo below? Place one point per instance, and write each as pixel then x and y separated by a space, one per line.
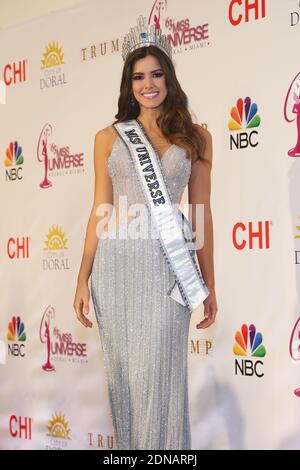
pixel 144 333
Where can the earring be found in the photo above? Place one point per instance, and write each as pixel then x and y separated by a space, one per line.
pixel 132 100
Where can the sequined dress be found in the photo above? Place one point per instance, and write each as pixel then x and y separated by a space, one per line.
pixel 144 333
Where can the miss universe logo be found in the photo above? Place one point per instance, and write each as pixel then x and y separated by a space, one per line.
pixel 295 348
pixel 292 112
pixel 57 160
pixel 60 346
pixel 180 30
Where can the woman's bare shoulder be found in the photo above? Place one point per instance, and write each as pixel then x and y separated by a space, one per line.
pixel 106 136
pixel 203 131
pixel 206 135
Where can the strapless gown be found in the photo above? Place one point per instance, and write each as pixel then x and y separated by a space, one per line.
pixel 144 333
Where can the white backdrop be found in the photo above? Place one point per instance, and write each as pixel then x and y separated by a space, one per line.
pixel 62 74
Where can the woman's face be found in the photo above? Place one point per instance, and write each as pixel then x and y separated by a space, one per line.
pixel 148 82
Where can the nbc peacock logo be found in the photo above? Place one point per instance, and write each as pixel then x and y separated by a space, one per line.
pixel 13 162
pixel 244 115
pixel 16 337
pixel 249 343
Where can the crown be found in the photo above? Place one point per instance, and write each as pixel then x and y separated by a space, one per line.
pixel 145 34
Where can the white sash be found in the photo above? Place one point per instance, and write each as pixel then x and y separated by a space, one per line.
pixel 189 288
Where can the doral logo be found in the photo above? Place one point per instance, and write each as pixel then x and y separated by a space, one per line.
pixel 16 336
pixel 59 427
pixel 56 239
pixel 52 66
pixel 295 348
pixel 59 431
pixel 53 56
pixel 55 249
pixel 247 111
pixel 295 15
pixel 248 343
pixel 13 162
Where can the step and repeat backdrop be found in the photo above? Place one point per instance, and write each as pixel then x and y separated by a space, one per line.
pixel 237 61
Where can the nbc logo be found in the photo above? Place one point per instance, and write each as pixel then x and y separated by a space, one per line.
pixel 249 342
pixel 16 336
pixel 13 162
pixel 244 110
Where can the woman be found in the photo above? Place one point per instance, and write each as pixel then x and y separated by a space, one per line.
pixel 144 332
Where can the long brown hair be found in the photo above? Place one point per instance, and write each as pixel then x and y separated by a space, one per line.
pixel 174 121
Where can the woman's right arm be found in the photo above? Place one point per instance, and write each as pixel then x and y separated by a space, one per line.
pixel 103 194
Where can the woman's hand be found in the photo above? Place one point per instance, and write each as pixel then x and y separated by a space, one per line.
pixel 81 303
pixel 210 310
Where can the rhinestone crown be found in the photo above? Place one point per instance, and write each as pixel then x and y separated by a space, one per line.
pixel 145 34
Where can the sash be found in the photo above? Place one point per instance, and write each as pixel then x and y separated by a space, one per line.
pixel 189 288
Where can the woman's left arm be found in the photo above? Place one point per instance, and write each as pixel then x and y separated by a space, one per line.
pixel 199 190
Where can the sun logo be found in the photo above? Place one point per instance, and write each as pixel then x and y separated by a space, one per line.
pixel 251 117
pixel 56 239
pixel 53 56
pixel 249 340
pixel 58 427
pixel 16 330
pixel 298 228
pixel 14 155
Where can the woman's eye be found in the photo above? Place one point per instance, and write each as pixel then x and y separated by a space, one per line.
pixel 157 74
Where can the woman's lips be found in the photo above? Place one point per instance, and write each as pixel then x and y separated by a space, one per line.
pixel 150 96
